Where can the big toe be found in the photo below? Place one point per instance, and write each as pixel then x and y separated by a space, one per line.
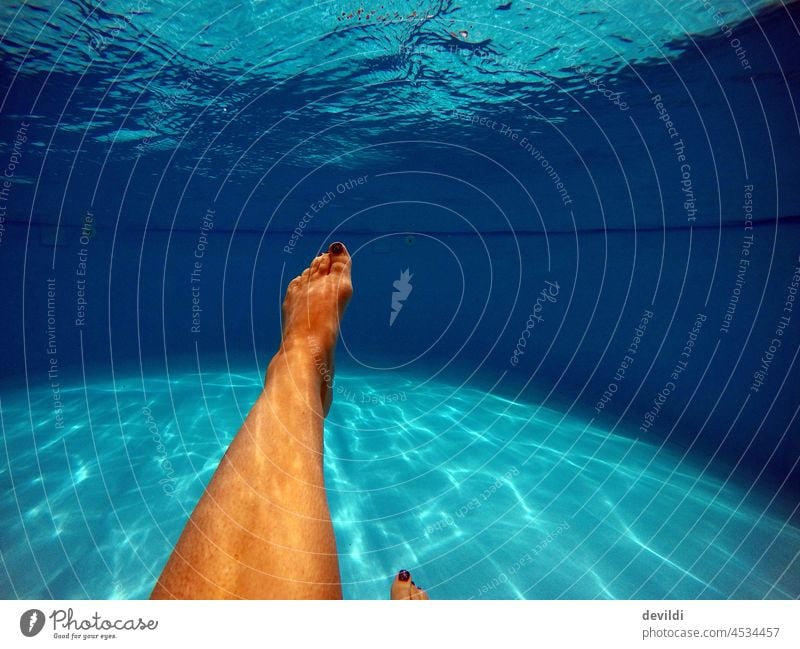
pixel 339 258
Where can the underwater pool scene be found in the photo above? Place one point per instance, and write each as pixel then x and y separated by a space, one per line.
pixel 569 366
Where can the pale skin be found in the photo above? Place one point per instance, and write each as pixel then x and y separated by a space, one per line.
pixel 262 529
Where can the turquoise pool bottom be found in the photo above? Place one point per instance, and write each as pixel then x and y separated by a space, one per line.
pixel 479 496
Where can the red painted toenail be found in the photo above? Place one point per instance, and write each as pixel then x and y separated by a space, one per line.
pixel 404 575
pixel 337 248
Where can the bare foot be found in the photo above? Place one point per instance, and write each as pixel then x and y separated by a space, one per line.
pixel 312 311
pixel 404 588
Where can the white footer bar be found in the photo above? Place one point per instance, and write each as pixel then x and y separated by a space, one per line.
pixel 382 625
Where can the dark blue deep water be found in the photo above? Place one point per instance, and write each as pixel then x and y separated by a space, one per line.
pixel 590 389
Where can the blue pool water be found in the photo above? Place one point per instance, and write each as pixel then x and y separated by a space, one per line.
pixel 588 218
pixel 484 495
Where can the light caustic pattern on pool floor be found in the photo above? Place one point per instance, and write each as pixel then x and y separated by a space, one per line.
pixel 478 495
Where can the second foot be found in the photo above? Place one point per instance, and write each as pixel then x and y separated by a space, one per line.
pixel 403 587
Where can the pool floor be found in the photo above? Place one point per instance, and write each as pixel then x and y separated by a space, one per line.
pixel 480 496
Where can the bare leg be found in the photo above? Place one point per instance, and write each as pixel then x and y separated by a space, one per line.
pixel 262 528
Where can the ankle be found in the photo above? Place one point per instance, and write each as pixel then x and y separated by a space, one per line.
pixel 311 346
pixel 290 359
pixel 301 358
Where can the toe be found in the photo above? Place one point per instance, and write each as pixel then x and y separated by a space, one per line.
pixel 339 258
pixel 315 265
pixel 404 588
pixel 419 593
pixel 324 264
